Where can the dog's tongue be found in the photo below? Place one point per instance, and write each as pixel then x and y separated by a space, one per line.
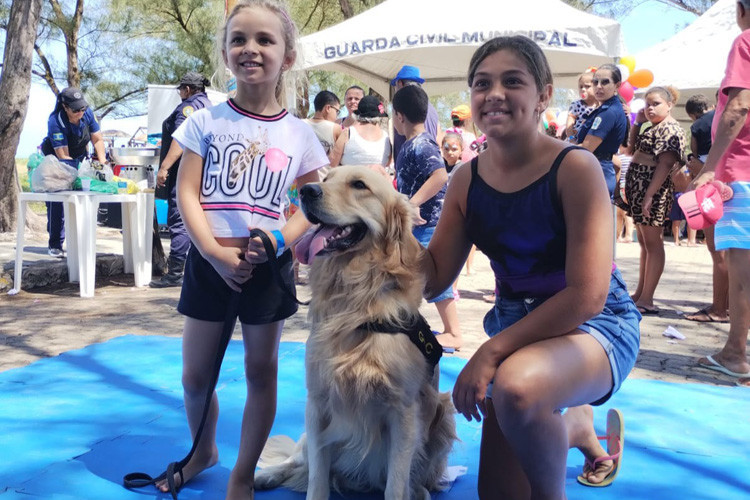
pixel 312 242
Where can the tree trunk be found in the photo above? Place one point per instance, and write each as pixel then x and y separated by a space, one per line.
pixel 14 100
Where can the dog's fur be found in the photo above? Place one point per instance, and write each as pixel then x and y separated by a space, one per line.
pixel 374 419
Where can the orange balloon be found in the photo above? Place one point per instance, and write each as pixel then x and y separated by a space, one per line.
pixel 641 78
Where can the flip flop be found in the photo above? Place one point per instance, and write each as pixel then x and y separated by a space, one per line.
pixel 615 443
pixel 718 367
pixel 704 316
pixel 645 311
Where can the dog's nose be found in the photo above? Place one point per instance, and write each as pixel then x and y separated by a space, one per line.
pixel 310 191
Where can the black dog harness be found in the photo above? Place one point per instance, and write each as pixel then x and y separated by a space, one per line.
pixel 418 331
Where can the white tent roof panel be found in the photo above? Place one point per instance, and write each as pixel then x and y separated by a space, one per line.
pixel 694 59
pixel 374 45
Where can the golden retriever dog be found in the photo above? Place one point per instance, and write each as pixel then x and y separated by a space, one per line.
pixel 374 419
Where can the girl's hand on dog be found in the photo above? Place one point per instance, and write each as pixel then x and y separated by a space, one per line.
pixel 231 265
pixel 469 393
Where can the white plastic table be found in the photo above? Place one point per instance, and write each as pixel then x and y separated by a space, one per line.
pixel 80 209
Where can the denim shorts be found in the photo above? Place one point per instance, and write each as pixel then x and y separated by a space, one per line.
pixel 616 328
pixel 423 234
pixel 205 295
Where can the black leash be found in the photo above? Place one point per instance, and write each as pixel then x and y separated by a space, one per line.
pixel 418 331
pixel 274 263
pixel 141 479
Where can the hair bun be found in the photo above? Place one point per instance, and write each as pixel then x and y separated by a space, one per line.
pixel 675 93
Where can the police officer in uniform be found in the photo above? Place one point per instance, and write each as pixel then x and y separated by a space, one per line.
pixel 607 126
pixel 192 89
pixel 70 128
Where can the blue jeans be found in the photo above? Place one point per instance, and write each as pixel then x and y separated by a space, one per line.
pixel 616 328
pixel 423 234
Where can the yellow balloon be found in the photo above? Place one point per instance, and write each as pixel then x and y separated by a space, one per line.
pixel 628 61
pixel 641 78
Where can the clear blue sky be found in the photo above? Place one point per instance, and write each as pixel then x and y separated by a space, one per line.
pixel 652 22
pixel 647 24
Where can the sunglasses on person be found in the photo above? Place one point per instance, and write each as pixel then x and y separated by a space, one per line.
pixel 604 82
pixel 338 110
pixel 80 110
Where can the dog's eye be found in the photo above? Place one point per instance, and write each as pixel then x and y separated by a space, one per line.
pixel 359 185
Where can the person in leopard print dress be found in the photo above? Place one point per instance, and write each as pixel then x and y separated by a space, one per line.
pixel 649 188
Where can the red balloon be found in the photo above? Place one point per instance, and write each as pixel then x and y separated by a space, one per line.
pixel 627 91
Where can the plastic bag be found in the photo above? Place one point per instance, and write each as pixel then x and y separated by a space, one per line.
pixel 96 170
pixel 34 160
pixel 97 186
pixel 52 175
pixel 131 186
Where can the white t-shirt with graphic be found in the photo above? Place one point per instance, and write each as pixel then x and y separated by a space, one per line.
pixel 249 163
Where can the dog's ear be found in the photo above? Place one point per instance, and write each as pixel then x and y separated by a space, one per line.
pixel 400 244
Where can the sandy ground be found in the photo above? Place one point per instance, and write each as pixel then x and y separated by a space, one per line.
pixel 44 322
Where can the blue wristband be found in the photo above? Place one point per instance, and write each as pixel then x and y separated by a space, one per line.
pixel 280 243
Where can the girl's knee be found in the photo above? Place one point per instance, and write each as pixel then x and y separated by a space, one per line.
pixel 515 395
pixel 260 371
pixel 195 383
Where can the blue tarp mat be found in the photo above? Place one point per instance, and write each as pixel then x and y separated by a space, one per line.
pixel 73 425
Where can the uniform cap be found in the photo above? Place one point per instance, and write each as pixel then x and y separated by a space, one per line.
pixel 194 79
pixel 72 97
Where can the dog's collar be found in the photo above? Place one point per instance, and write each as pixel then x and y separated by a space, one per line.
pixel 418 331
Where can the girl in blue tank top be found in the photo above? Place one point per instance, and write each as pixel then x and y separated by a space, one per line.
pixel 564 332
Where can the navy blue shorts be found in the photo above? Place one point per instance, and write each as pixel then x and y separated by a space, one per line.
pixel 205 295
pixel 616 328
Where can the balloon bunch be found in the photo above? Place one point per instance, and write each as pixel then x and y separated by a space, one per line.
pixel 632 80
pixel 548 120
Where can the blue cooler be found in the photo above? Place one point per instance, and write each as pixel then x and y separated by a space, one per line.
pixel 161 211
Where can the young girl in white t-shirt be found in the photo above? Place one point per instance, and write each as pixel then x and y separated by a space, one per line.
pixel 240 159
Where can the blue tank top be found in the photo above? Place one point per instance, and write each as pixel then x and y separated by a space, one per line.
pixel 523 233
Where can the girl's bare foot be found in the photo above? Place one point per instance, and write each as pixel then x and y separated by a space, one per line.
pixel 240 486
pixel 449 340
pixel 581 434
pixel 196 465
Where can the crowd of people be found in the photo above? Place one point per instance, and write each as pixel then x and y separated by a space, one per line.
pixel 563 330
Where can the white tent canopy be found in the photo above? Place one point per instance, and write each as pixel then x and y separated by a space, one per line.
pixel 440 36
pixel 694 59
